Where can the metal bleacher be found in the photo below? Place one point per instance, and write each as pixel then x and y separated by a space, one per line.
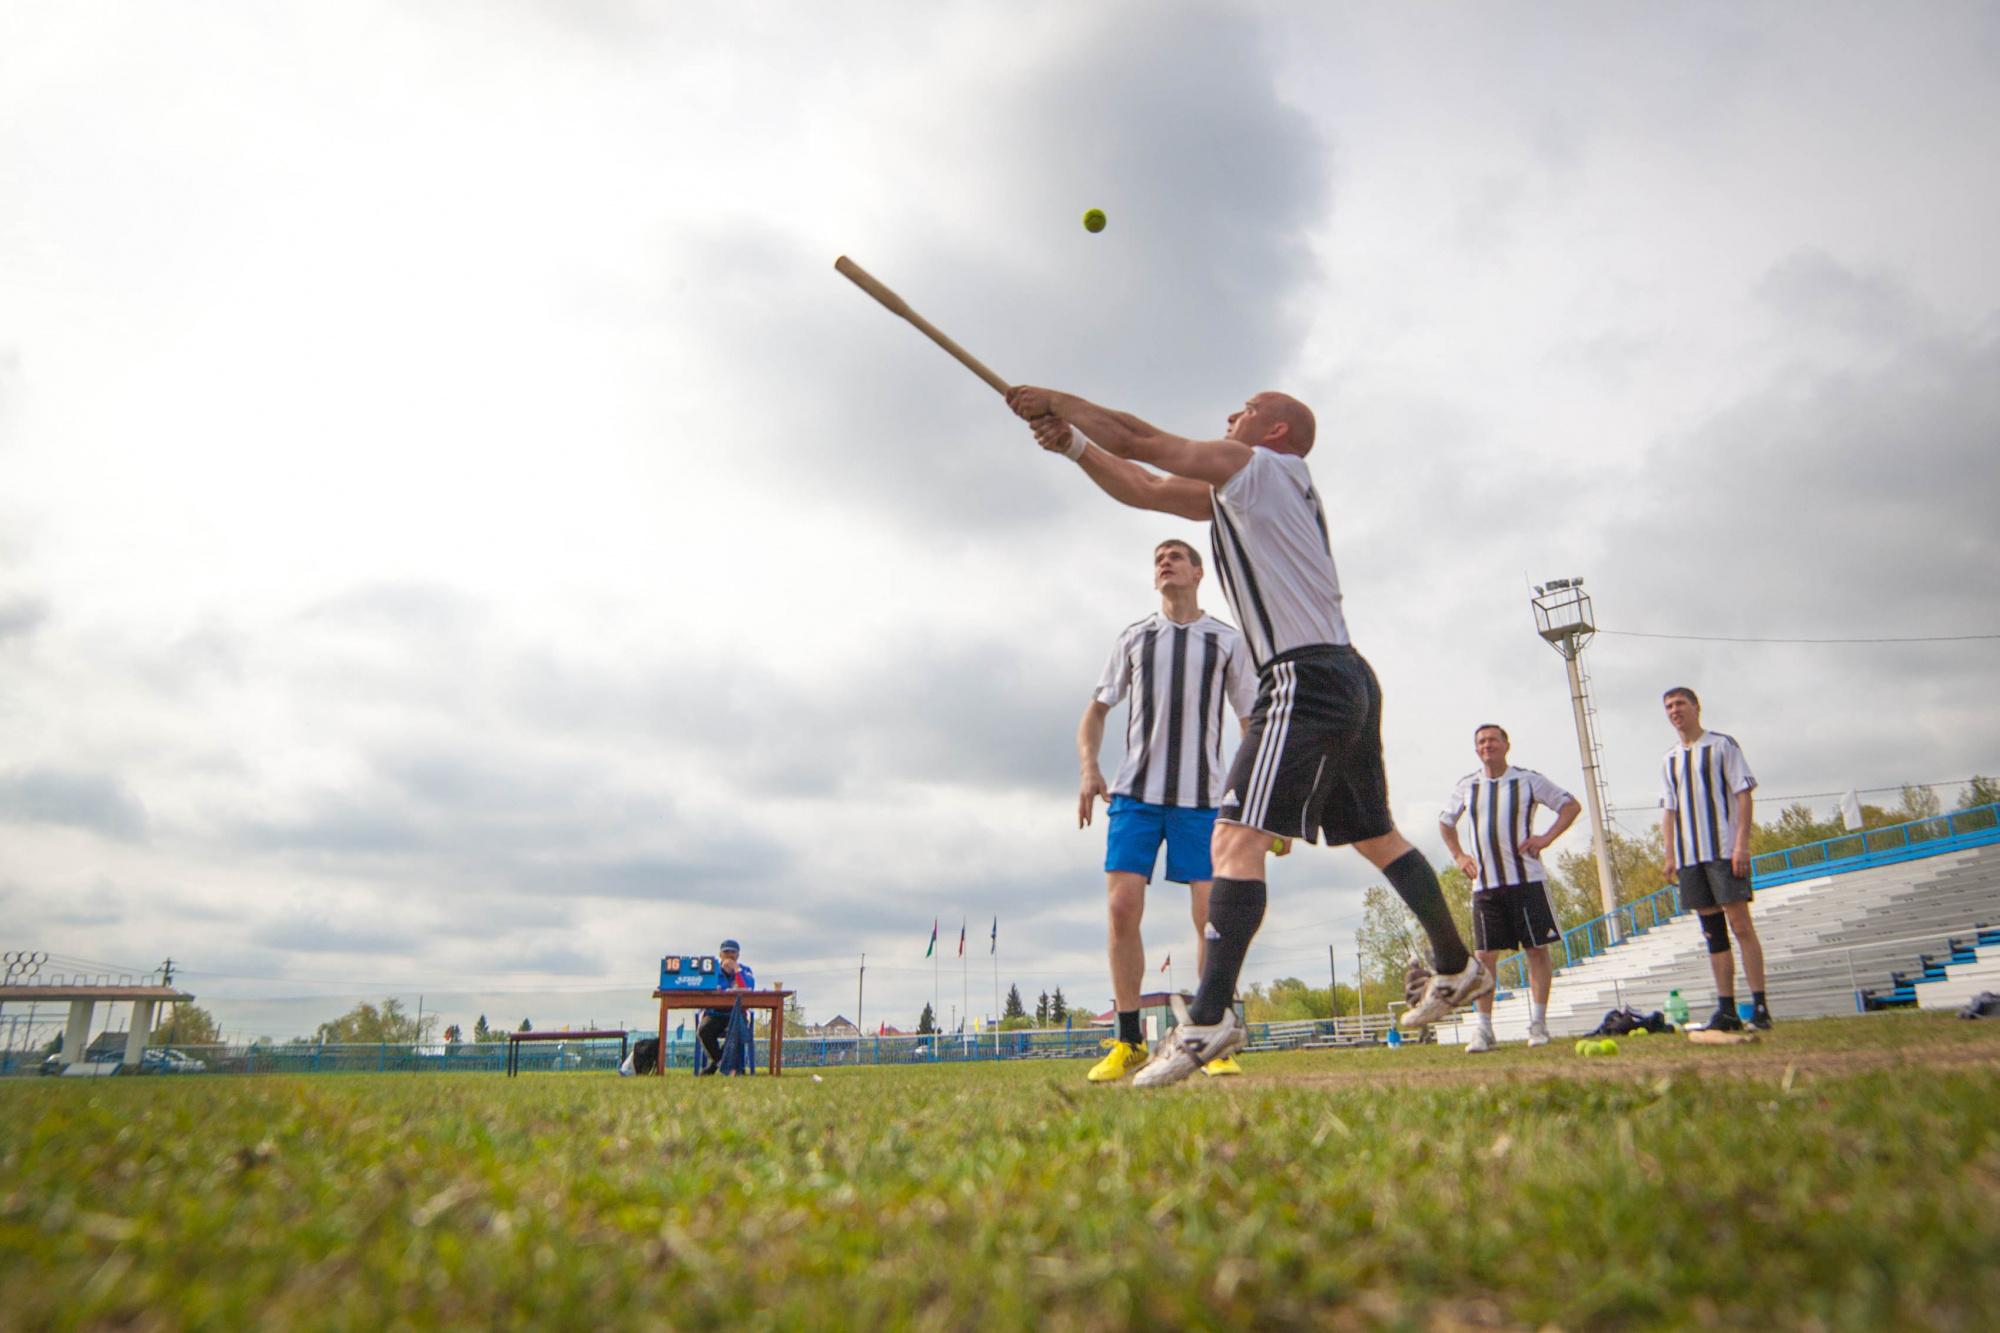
pixel 1832 944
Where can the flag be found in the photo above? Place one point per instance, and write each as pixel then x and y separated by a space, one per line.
pixel 1850 809
pixel 961 937
pixel 932 946
pixel 995 946
pixel 1169 963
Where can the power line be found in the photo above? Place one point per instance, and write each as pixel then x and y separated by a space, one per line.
pixel 1727 638
pixel 1821 795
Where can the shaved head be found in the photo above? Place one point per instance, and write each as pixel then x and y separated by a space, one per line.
pixel 1295 416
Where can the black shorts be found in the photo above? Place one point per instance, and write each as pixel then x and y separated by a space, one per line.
pixel 1712 884
pixel 1311 760
pixel 1514 916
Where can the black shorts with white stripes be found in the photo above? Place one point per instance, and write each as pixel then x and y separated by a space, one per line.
pixel 1310 765
pixel 1514 916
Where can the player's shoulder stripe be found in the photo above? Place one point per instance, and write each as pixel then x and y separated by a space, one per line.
pixel 1723 736
pixel 1475 773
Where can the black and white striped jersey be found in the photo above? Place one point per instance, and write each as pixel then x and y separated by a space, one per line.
pixel 1503 817
pixel 1276 560
pixel 1176 677
pixel 1700 785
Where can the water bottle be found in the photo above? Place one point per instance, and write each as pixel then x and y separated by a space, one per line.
pixel 1677 1009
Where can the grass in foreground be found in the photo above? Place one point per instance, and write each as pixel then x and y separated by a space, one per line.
pixel 1844 1175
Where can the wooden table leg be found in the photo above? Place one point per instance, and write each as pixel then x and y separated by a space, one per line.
pixel 660 1052
pixel 777 1037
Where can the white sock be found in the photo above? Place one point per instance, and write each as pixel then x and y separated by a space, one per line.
pixel 1486 1024
pixel 1537 1013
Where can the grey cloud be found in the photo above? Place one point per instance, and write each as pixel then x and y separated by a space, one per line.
pixel 303 933
pixel 1811 287
pixel 1849 502
pixel 1172 122
pixel 343 827
pixel 21 616
pixel 558 959
pixel 403 608
pixel 72 797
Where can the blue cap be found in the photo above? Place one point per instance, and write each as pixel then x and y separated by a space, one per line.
pixel 730 946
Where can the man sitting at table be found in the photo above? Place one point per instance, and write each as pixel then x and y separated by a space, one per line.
pixel 736 975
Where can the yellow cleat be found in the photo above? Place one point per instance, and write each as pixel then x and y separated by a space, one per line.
pixel 1124 1057
pixel 1218 1068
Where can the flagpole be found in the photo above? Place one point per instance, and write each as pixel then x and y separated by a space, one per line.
pixel 964 987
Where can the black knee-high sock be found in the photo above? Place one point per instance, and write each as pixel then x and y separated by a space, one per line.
pixel 1235 910
pixel 1412 879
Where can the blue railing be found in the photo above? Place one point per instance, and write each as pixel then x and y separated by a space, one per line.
pixel 1860 850
pixel 1952 832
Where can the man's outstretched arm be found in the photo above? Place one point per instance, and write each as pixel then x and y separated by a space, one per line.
pixel 1210 462
pixel 1125 481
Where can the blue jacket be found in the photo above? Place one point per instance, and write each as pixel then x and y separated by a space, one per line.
pixel 744 980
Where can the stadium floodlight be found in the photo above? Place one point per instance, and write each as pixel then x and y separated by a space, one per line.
pixel 1563 616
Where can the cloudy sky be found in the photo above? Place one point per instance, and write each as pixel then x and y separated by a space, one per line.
pixel 458 536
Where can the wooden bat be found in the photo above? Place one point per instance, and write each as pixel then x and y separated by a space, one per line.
pixel 1704 1037
pixel 896 305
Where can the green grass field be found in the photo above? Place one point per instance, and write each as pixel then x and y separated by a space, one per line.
pixel 1844 1174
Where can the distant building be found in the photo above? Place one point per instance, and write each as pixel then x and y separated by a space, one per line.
pixel 837 1026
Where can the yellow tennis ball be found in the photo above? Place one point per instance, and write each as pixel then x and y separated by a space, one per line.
pixel 1281 846
pixel 1607 1047
pixel 1585 1046
pixel 1093 219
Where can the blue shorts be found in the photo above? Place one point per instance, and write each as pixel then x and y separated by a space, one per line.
pixel 1138 829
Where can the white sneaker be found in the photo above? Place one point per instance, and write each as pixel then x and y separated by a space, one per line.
pixel 1482 1042
pixel 1187 1048
pixel 1538 1034
pixel 1445 994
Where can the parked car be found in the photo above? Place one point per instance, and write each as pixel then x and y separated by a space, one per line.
pixel 167 1060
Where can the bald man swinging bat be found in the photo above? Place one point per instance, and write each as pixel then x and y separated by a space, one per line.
pixel 1311 760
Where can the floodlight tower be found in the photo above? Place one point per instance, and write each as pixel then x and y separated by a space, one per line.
pixel 1563 617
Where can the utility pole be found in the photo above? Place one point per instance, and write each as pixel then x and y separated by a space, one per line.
pixel 166 979
pixel 860 989
pixel 1333 990
pixel 1563 617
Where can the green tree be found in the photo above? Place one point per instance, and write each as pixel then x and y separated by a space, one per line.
pixel 1289 999
pixel 366 1023
pixel 1918 803
pixel 1058 1009
pixel 1387 939
pixel 1042 1011
pixel 1014 1007
pixel 1980 791
pixel 926 1022
pixel 1636 865
pixel 453 1035
pixel 481 1032
pixel 1795 826
pixel 526 1026
pixel 188 1025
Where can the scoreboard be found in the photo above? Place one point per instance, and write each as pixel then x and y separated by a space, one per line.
pixel 684 971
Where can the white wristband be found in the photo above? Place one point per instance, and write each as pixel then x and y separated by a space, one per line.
pixel 1077 444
